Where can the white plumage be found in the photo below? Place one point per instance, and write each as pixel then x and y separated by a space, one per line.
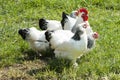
pixel 67 21
pixel 59 37
pixel 67 44
pixel 35 38
pixel 49 24
pixel 53 25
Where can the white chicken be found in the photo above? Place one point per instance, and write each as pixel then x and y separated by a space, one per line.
pixel 67 44
pixel 54 24
pixel 35 38
pixel 49 24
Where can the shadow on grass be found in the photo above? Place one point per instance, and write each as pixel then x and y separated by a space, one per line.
pixel 53 64
pixel 32 55
pixel 35 71
pixel 58 64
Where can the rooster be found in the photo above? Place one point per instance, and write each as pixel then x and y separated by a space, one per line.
pixel 69 23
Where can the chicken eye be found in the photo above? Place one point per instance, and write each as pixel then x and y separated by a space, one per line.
pixel 83 14
pixel 76 13
pixel 85 26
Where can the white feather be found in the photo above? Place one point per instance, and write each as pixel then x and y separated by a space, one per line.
pixel 37 40
pixel 67 47
pixel 53 25
pixel 70 22
pixel 59 37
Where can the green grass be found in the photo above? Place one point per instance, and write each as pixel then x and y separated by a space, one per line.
pixel 18 61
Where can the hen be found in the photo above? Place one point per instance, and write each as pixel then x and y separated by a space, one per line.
pixel 35 38
pixel 67 44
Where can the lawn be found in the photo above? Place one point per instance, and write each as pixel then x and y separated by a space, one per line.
pixel 19 62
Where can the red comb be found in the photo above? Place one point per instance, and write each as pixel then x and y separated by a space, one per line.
pixel 83 10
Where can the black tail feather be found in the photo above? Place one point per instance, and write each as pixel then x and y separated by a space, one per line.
pixel 48 35
pixel 42 24
pixel 64 17
pixel 23 33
